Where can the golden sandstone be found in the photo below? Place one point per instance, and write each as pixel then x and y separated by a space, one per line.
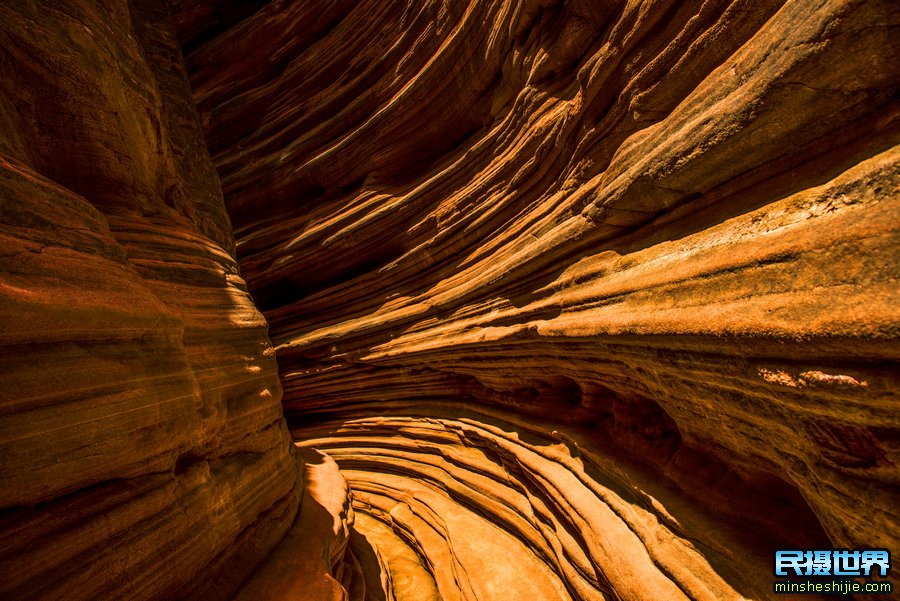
pixel 408 300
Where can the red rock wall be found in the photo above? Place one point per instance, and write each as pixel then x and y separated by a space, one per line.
pixel 586 300
pixel 143 453
pixel 666 229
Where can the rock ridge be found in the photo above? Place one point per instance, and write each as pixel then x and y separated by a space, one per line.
pixel 664 228
pixel 569 299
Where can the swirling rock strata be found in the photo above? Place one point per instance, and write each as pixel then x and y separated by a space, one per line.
pixel 500 509
pixel 603 293
pixel 671 224
pixel 143 452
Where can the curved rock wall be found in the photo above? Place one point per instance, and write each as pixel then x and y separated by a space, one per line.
pixel 570 299
pixel 143 452
pixel 665 229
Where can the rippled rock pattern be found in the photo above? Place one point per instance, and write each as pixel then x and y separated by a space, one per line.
pixel 658 237
pixel 143 452
pixel 586 299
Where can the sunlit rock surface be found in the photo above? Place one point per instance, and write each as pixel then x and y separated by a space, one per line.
pixel 665 231
pixel 569 300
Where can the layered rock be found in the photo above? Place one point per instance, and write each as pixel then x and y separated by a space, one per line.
pixel 466 504
pixel 143 452
pixel 663 229
pixel 571 300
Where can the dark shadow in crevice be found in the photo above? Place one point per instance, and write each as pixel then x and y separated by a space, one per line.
pixel 221 17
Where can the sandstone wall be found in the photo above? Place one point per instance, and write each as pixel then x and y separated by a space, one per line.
pixel 143 453
pixel 586 299
pixel 663 229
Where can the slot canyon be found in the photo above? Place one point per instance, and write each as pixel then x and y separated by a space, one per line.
pixel 460 300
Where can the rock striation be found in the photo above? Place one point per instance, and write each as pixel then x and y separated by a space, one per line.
pixel 143 452
pixel 570 299
pixel 663 230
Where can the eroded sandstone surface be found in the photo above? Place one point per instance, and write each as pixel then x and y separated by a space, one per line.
pixel 665 228
pixel 143 452
pixel 569 299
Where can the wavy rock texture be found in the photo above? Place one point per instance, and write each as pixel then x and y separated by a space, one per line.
pixel 571 300
pixel 663 230
pixel 143 452
pixel 500 509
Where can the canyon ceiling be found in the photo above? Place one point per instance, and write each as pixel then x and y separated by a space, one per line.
pixel 401 300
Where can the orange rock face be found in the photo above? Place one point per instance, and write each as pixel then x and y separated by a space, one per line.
pixel 143 453
pixel 569 299
pixel 665 231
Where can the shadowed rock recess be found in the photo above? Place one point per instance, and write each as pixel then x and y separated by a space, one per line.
pixel 587 299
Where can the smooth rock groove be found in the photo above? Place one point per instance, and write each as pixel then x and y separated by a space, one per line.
pixel 570 300
pixel 664 230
